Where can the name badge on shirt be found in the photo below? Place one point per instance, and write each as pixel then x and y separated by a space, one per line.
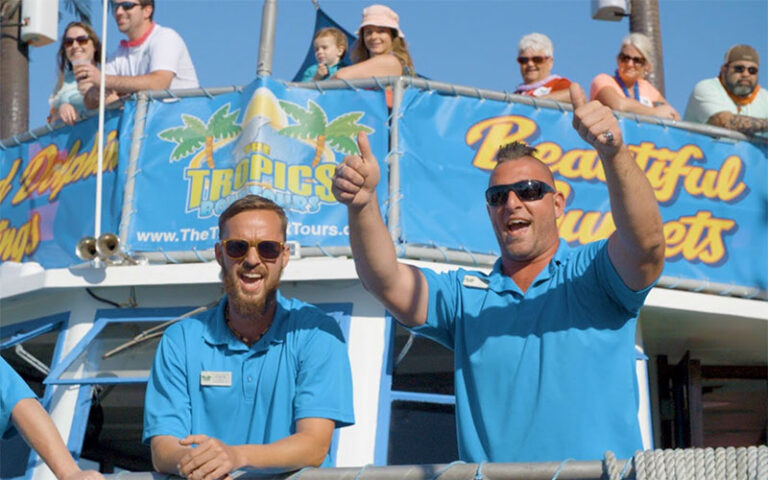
pixel 475 282
pixel 215 379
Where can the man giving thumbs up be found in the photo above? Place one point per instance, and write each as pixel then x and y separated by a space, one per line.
pixel 544 343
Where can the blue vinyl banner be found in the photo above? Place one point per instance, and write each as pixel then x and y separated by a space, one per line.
pixel 201 154
pixel 712 193
pixel 48 191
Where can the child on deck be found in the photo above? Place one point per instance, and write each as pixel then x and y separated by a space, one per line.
pixel 330 46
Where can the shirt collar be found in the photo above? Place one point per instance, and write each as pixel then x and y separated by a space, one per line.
pixel 218 333
pixel 499 282
pixel 527 87
pixel 138 41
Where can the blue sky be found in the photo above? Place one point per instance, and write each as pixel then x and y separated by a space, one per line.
pixel 463 42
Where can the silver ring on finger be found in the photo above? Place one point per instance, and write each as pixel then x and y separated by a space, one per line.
pixel 608 135
pixel 339 169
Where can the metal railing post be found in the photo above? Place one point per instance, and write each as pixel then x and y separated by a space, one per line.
pixel 137 138
pixel 267 38
pixel 393 212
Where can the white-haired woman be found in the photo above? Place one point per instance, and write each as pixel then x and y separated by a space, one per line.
pixel 535 54
pixel 627 90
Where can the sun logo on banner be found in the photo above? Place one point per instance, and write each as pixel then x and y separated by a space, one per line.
pixel 281 150
pixel 201 137
pixel 312 124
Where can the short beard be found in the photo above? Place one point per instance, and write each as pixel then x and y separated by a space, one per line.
pixel 244 305
pixel 740 90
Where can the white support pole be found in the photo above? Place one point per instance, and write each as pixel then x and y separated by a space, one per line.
pixel 100 133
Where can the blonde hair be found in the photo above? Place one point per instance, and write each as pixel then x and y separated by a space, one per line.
pixel 360 53
pixel 338 36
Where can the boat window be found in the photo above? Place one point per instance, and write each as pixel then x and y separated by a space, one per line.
pixel 421 432
pixel 421 365
pixel 112 436
pixel 119 349
pixel 421 403
pixel 711 406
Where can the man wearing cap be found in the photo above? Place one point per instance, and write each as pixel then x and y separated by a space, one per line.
pixel 261 381
pixel 535 54
pixel 733 99
pixel 153 58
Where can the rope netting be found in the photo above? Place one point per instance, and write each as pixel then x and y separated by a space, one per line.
pixel 730 463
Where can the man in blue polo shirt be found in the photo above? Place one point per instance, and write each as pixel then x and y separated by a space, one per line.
pixel 544 344
pixel 19 408
pixel 258 383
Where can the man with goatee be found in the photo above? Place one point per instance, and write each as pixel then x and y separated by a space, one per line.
pixel 733 99
pixel 261 381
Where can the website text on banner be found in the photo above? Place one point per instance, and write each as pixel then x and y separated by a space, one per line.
pixel 201 154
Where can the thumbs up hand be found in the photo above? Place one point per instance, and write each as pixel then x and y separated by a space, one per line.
pixel 357 176
pixel 595 123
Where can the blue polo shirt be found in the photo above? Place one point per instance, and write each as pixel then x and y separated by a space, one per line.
pixel 544 375
pixel 12 390
pixel 206 381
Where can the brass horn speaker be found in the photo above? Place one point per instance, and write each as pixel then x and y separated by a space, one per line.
pixel 86 248
pixel 108 246
pixel 108 249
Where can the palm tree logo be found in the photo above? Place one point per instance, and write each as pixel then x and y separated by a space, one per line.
pixel 312 124
pixel 196 135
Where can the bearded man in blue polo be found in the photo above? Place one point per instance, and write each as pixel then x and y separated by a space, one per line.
pixel 544 344
pixel 258 383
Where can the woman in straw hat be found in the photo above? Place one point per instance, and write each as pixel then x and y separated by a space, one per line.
pixel 380 49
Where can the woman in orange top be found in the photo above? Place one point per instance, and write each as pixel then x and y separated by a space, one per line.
pixel 627 90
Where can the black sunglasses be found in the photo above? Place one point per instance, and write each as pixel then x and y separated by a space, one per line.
pixel 267 249
pixel 624 58
pixel 741 68
pixel 537 60
pixel 126 5
pixel 526 191
pixel 80 39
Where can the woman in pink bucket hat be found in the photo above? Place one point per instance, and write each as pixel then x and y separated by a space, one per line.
pixel 380 49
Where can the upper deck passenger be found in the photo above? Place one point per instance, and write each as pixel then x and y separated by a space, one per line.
pixel 153 58
pixel 330 45
pixel 79 44
pixel 733 99
pixel 536 56
pixel 627 90
pixel 380 49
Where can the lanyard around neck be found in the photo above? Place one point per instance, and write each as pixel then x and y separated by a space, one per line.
pixel 624 87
